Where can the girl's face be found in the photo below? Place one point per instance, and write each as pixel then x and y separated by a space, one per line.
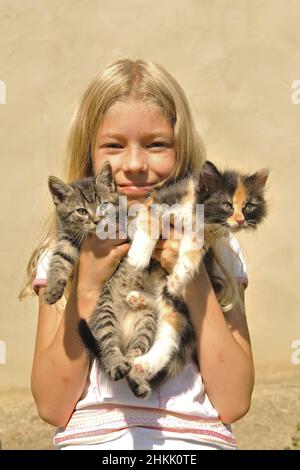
pixel 138 141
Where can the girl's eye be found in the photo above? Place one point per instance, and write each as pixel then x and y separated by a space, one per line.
pixel 82 211
pixel 113 146
pixel 227 205
pixel 158 144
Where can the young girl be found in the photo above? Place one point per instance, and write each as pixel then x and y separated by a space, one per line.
pixel 135 115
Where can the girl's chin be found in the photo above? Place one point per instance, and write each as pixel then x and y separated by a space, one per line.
pixel 135 199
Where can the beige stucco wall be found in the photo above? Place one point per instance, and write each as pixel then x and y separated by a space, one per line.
pixel 236 59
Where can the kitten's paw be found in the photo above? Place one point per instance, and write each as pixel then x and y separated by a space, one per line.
pixel 139 387
pixel 140 252
pixel 138 262
pixel 136 299
pixel 119 370
pixel 140 366
pixel 174 284
pixel 53 295
pixel 54 292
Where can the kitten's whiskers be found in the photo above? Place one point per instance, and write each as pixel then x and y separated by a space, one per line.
pixel 78 236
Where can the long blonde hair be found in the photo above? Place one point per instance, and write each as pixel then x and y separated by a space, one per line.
pixel 142 80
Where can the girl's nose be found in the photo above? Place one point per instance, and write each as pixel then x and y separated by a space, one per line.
pixel 134 161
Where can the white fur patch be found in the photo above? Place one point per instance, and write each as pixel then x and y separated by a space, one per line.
pixel 141 250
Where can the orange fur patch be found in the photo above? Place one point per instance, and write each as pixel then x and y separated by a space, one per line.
pixel 173 318
pixel 176 321
pixel 239 199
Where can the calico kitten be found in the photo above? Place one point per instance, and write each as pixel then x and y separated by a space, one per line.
pixel 232 202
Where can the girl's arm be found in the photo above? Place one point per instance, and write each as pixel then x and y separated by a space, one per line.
pixel 61 363
pixel 222 340
pixel 223 347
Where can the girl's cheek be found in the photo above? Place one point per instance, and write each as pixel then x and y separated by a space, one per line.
pixel 100 158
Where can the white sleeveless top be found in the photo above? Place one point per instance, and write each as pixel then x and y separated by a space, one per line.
pixel 177 409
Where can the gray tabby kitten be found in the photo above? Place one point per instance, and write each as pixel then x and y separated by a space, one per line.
pixel 124 323
pixel 76 216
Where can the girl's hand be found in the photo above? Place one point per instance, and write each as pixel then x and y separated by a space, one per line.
pixel 166 252
pixel 97 262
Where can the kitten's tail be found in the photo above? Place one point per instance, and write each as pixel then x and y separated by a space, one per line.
pixel 88 338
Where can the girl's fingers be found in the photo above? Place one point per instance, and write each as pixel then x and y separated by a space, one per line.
pixel 173 238
pixel 169 244
pixel 166 258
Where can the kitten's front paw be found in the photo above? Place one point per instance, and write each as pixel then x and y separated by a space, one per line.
pixel 138 262
pixel 119 370
pixel 136 299
pixel 52 295
pixel 140 252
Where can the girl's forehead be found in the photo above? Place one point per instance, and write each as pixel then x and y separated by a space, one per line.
pixel 128 116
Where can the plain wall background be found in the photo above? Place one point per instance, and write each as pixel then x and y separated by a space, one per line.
pixel 236 60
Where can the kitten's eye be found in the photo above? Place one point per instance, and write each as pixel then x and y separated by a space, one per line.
pixel 82 211
pixel 227 205
pixel 249 207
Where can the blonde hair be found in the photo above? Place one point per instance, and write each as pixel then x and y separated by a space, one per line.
pixel 141 80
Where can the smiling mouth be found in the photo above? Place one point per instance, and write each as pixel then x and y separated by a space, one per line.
pixel 135 189
pixel 136 185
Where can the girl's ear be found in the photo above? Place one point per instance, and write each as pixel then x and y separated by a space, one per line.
pixel 210 177
pixel 58 189
pixel 105 177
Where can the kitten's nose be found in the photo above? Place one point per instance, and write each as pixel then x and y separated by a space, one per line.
pixel 240 221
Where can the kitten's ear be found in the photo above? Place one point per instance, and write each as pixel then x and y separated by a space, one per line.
pixel 58 189
pixel 259 178
pixel 105 177
pixel 210 177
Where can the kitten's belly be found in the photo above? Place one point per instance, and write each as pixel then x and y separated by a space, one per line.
pixel 128 323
